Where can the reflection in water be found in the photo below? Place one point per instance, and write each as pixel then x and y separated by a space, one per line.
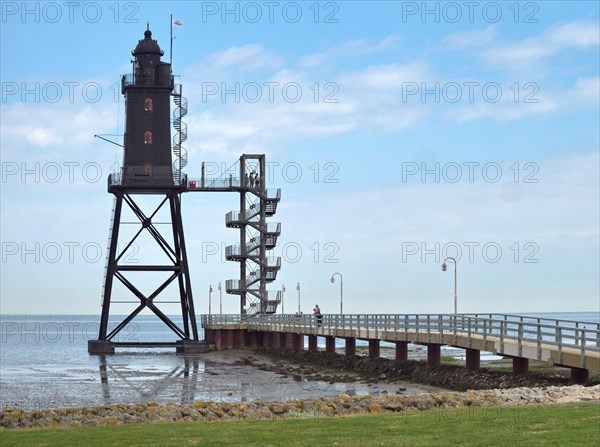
pixel 179 374
pixel 163 377
pixel 104 379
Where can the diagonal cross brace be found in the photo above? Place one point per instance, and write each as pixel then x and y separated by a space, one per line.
pixel 146 302
pixel 147 224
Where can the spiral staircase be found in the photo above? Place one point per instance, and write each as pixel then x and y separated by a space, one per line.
pixel 180 136
pixel 257 238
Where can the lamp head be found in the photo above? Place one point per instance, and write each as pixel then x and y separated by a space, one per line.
pixel 282 288
pixel 332 279
pixel 298 286
pixel 444 267
pixel 210 289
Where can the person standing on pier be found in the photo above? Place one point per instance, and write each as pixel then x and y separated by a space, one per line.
pixel 318 315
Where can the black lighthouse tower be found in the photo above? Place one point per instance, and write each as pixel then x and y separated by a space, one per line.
pixel 147 162
pixel 149 169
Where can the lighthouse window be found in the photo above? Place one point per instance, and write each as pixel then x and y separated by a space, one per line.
pixel 148 105
pixel 148 170
pixel 148 137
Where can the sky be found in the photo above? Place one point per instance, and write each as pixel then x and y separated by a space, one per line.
pixel 400 133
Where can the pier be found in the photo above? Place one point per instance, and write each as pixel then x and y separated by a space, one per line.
pixel 570 344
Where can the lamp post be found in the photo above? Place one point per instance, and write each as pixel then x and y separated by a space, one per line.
pixel 341 291
pixel 220 299
pixel 444 268
pixel 210 299
pixel 298 289
pixel 282 292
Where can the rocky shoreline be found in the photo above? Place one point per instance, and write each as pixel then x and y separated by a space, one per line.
pixel 453 377
pixel 15 418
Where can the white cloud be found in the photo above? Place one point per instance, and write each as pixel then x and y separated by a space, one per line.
pixel 388 77
pixel 527 53
pixel 233 61
pixel 346 50
pixel 363 46
pixel 367 98
pixel 583 94
pixel 529 56
pixel 471 39
pixel 29 129
pixel 577 34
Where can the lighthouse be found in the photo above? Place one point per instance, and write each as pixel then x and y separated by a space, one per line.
pixel 153 161
pixel 149 169
pixel 147 159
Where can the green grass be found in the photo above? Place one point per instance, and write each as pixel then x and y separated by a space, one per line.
pixel 550 425
pixel 449 359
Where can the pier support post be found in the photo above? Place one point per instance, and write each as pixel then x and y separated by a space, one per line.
pixel 434 357
pixel 290 341
pixel 374 349
pixel 330 344
pixel 240 339
pixel 277 340
pixel 271 339
pixel 350 347
pixel 580 375
pixel 520 366
pixel 473 358
pixel 298 342
pixel 229 335
pixel 252 340
pixel 286 340
pixel 312 343
pixel 261 339
pixel 221 339
pixel 209 336
pixel 401 351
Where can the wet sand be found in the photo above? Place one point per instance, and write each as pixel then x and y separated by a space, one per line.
pixel 139 377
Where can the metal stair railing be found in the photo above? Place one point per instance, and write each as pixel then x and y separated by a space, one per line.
pixel 181 136
pixel 112 220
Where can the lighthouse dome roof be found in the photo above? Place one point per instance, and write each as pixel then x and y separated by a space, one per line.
pixel 147 45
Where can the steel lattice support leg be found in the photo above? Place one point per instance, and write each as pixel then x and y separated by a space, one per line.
pixel 188 340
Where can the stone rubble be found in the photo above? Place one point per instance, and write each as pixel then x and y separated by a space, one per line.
pixel 11 417
pixel 454 377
